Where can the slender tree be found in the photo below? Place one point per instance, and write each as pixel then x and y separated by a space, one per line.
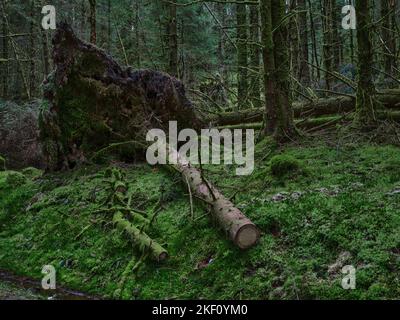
pixel 5 54
pixel 242 54
pixel 388 18
pixel 279 114
pixel 366 105
pixel 304 70
pixel 172 40
pixel 328 38
pixel 255 93
pixel 92 19
pixel 32 43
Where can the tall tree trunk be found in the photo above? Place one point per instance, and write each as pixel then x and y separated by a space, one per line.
pixel 242 55
pixel 5 79
pixel 137 34
pixel 32 75
pixel 271 95
pixel 314 41
pixel 328 38
pixel 45 45
pixel 304 71
pixel 255 93
pixel 172 40
pixel 388 35
pixel 92 19
pixel 279 113
pixel 221 42
pixel 109 28
pixel 15 50
pixel 365 102
pixel 286 129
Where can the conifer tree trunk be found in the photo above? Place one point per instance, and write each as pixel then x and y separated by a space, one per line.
pixel 32 75
pixel 137 34
pixel 5 79
pixel 255 93
pixel 92 19
pixel 365 102
pixel 388 17
pixel 242 55
pixel 304 71
pixel 328 45
pixel 172 40
pixel 279 113
pixel 109 29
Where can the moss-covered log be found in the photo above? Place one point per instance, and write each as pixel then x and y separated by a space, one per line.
pixel 140 239
pixel 390 99
pixel 91 102
pixel 316 123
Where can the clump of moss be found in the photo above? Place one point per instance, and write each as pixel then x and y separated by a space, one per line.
pixel 282 165
pixel 392 167
pixel 2 164
pixel 32 173
pixel 15 179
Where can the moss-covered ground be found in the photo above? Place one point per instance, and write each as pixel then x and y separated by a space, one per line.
pixel 336 205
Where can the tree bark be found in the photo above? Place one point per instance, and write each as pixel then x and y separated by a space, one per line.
pixel 255 90
pixel 389 98
pixel 366 104
pixel 242 54
pixel 389 36
pixel 92 21
pixel 237 226
pixel 32 75
pixel 172 41
pixel 304 71
pixel 328 38
pixel 4 65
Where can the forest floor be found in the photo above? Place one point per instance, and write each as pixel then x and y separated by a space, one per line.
pixel 320 205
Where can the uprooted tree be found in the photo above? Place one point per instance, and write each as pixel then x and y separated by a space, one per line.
pixel 91 103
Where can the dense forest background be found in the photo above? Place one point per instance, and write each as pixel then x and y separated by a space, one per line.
pixel 213 47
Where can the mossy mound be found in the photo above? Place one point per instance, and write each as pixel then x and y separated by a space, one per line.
pixel 32 173
pixel 15 179
pixel 282 165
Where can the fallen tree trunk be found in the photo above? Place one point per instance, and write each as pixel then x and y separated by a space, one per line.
pixel 390 99
pixel 314 123
pixel 236 225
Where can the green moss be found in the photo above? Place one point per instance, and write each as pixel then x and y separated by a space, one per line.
pixel 32 173
pixel 282 165
pixel 15 179
pixel 51 221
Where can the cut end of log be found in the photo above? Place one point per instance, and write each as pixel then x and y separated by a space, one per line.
pixel 247 236
pixel 163 256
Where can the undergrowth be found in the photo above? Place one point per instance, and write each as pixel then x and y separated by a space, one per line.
pixel 345 201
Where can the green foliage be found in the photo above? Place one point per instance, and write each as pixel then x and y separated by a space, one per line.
pixel 32 173
pixel 282 165
pixel 15 179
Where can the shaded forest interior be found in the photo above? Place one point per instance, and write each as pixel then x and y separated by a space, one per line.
pixel 318 81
